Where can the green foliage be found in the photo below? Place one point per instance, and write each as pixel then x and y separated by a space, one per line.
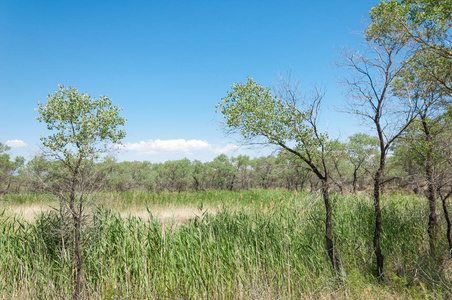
pixel 7 166
pixel 362 147
pixel 265 245
pixel 412 150
pixel 223 172
pixel 174 175
pixel 4 147
pixel 80 123
pixel 387 19
pixel 427 26
pixel 424 72
pixel 429 19
pixel 252 110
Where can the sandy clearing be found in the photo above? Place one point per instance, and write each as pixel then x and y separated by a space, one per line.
pixel 27 212
pixel 177 215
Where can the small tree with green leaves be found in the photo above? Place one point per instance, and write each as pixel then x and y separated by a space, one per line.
pixel 283 119
pixel 82 128
pixel 7 167
pixel 362 154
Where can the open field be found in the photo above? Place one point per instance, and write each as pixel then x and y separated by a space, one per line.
pixel 257 244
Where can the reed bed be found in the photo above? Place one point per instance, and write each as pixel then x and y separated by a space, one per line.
pixel 259 244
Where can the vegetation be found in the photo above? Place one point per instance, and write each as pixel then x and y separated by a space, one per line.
pixel 8 167
pixel 419 32
pixel 261 244
pixel 257 227
pixel 81 128
pixel 255 113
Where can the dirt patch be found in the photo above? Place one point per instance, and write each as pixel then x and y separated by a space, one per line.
pixel 176 215
pixel 28 211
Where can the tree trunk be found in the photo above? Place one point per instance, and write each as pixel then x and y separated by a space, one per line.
pixel 329 226
pixel 448 222
pixel 78 255
pixel 355 179
pixel 301 185
pixel 77 261
pixel 433 224
pixel 377 232
pixel 76 218
pixel 196 184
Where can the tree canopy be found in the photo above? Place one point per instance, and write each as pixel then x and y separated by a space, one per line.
pixel 82 125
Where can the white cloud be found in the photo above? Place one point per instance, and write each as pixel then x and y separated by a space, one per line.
pixel 225 149
pixel 16 143
pixel 156 146
pixel 186 147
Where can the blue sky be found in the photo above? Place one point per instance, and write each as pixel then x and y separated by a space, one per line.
pixel 167 63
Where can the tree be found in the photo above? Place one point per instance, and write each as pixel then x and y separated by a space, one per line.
pixel 425 23
pixel 361 152
pixel 264 171
pixel 175 175
pixel 337 162
pixel 82 128
pixel 200 175
pixel 8 167
pixel 291 171
pixel 223 173
pixel 34 172
pixel 371 98
pixel 242 163
pixel 259 116
pixel 120 176
pixel 416 84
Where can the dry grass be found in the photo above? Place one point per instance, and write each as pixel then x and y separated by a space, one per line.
pixel 173 214
pixel 26 211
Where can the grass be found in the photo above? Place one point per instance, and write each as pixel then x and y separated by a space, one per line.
pixel 258 244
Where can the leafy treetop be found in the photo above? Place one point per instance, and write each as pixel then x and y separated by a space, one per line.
pixel 82 125
pixel 253 111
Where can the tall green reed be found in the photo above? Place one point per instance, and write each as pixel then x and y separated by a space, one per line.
pixel 258 244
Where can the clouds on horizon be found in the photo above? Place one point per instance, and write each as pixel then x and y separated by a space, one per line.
pixel 16 143
pixel 176 145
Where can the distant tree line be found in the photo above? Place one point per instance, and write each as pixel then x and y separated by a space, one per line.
pixel 351 166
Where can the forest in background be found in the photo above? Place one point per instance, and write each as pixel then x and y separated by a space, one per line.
pixel 351 164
